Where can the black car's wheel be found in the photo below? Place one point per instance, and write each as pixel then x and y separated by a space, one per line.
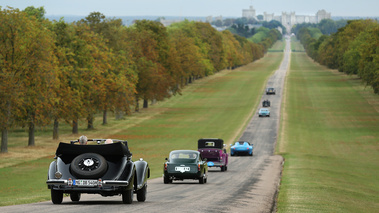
pixel 166 180
pixel 141 194
pixel 201 180
pixel 56 196
pixel 127 196
pixel 89 165
pixel 75 196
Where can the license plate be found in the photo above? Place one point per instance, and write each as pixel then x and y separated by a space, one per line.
pixel 182 169
pixel 85 183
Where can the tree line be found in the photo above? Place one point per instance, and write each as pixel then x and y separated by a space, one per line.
pixel 53 71
pixel 352 49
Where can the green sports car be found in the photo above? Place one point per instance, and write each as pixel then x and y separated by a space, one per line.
pixel 185 164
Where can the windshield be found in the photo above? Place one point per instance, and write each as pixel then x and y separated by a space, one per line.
pixel 183 157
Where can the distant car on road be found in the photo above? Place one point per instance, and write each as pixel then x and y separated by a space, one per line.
pixel 185 164
pixel 213 149
pixel 264 112
pixel 270 91
pixel 266 103
pixel 240 148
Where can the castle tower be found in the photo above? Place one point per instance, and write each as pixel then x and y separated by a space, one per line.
pixel 249 13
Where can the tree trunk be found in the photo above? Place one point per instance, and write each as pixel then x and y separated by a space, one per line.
pixel 4 140
pixel 105 117
pixel 90 122
pixel 31 141
pixel 55 129
pixel 137 104
pixel 145 103
pixel 75 126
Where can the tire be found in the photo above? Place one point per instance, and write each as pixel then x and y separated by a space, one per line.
pixel 75 196
pixel 56 196
pixel 127 196
pixel 166 180
pixel 89 165
pixel 222 168
pixel 201 180
pixel 141 194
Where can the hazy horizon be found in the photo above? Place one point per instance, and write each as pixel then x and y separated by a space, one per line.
pixel 197 8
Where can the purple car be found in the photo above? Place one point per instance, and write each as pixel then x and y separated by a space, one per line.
pixel 213 149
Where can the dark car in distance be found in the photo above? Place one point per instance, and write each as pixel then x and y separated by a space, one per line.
pixel 270 91
pixel 185 164
pixel 213 149
pixel 266 103
pixel 105 169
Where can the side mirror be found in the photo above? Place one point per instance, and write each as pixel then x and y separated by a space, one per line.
pixel 166 158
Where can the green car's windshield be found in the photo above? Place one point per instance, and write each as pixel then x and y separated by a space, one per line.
pixel 183 157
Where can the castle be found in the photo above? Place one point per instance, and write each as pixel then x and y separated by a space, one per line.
pixel 288 19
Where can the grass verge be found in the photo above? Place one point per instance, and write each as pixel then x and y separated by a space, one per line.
pixel 216 106
pixel 329 139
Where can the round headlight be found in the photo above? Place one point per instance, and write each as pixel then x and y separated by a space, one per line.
pixel 58 175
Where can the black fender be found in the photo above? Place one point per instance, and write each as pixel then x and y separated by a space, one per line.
pixel 129 175
pixel 142 174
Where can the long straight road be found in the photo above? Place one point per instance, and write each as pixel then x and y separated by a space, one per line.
pixel 249 185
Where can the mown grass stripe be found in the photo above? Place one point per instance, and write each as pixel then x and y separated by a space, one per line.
pixel 330 142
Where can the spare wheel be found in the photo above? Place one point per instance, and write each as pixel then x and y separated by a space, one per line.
pixel 89 165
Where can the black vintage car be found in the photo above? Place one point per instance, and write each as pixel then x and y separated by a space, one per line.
pixel 266 103
pixel 105 169
pixel 185 164
pixel 270 91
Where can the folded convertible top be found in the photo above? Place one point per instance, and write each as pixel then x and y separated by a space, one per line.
pixel 114 149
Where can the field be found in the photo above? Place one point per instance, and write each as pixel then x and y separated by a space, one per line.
pixel 329 139
pixel 216 106
pixel 329 134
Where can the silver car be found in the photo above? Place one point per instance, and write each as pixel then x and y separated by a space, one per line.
pixel 264 112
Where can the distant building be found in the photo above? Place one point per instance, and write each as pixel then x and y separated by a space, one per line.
pixel 249 13
pixel 290 19
pixel 168 22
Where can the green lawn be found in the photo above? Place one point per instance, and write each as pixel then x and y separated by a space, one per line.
pixel 217 106
pixel 329 139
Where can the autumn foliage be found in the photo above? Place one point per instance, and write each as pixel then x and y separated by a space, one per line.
pixel 53 71
pixel 353 49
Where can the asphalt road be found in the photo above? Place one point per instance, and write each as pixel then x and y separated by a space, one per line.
pixel 249 185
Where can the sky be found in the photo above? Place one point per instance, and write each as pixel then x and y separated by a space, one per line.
pixel 198 8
